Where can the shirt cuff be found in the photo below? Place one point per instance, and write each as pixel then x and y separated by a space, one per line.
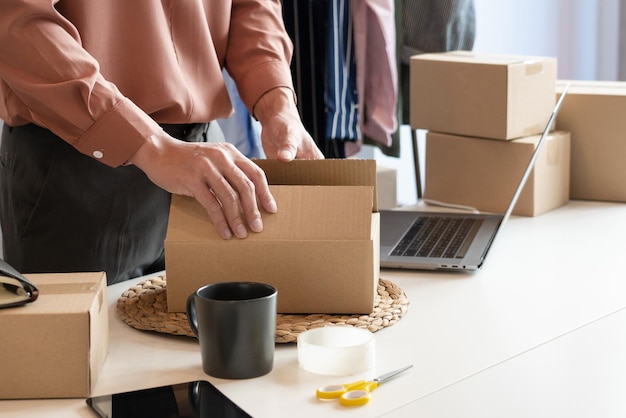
pixel 118 134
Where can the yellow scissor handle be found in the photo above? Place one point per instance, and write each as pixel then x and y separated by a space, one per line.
pixel 358 396
pixel 335 391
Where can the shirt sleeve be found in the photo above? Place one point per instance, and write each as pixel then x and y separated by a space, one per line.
pixel 59 86
pixel 259 49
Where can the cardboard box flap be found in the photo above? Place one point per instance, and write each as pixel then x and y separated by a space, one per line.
pixel 337 172
pixel 484 58
pixel 63 296
pixel 605 88
pixel 304 212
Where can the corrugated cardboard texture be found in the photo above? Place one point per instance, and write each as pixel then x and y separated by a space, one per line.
pixel 55 346
pixel 305 212
pixel 332 172
pixel 594 112
pixel 320 250
pixel 483 173
pixel 482 95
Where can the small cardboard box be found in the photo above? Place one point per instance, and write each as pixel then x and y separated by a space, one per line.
pixel 482 95
pixel 321 250
pixel 483 173
pixel 594 112
pixel 55 346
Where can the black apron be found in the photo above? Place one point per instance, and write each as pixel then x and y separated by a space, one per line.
pixel 62 211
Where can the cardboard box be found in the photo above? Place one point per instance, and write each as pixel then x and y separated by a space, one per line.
pixel 482 95
pixel 483 173
pixel 55 347
pixel 594 112
pixel 321 250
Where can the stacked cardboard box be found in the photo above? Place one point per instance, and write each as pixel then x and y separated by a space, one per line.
pixel 593 113
pixel 485 114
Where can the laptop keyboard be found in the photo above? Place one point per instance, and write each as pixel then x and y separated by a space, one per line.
pixel 438 237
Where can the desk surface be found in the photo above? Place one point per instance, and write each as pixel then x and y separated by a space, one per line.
pixel 540 330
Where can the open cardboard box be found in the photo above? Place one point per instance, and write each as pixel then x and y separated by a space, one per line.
pixel 594 112
pixel 321 250
pixel 483 173
pixel 482 95
pixel 55 346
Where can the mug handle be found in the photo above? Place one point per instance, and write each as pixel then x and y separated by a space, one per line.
pixel 191 313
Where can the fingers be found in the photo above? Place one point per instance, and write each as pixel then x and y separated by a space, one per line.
pixel 307 148
pixel 214 209
pixel 234 187
pixel 286 153
pixel 310 150
pixel 220 178
pixel 285 138
pixel 283 134
pixel 261 188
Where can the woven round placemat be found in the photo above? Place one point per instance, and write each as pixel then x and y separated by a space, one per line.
pixel 144 307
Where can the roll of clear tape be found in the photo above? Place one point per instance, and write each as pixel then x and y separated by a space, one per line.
pixel 336 350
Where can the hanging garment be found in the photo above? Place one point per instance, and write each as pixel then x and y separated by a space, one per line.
pixel 309 24
pixel 240 129
pixel 305 22
pixel 376 66
pixel 341 98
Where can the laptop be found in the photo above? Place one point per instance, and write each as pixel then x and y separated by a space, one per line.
pixel 421 240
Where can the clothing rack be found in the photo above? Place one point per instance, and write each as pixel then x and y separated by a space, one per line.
pixel 325 74
pixel 307 69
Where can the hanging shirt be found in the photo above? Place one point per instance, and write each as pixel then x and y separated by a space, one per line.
pixel 341 98
pixel 377 72
pixel 101 73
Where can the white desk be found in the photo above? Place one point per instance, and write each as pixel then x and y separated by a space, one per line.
pixel 539 331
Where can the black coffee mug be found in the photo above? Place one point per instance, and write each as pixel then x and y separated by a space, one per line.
pixel 235 323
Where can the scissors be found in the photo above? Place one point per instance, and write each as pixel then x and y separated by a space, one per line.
pixel 356 393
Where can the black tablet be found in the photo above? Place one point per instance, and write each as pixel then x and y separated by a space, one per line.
pixel 196 399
